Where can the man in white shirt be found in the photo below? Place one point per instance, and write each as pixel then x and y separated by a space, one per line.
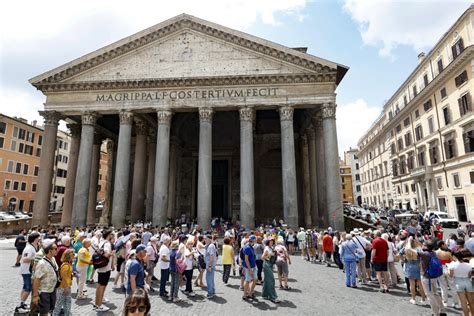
pixel 104 272
pixel 362 245
pixel 95 244
pixel 164 262
pixel 26 257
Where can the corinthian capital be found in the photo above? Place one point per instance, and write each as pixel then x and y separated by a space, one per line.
pixel 50 117
pixel 286 113
pixel 328 111
pixel 126 117
pixel 140 127
pixel 89 118
pixel 206 114
pixel 164 116
pixel 247 114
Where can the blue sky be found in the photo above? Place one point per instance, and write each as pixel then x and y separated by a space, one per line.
pixel 378 39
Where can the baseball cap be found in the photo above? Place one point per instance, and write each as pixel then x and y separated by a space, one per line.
pixel 140 247
pixel 253 238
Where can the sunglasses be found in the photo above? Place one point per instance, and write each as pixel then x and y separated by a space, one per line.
pixel 134 309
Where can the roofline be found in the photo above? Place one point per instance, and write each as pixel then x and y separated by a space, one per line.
pixel 341 69
pixel 21 122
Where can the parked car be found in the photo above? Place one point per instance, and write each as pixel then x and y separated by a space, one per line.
pixel 6 217
pixel 21 215
pixel 444 219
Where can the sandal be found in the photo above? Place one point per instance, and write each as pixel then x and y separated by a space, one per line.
pixel 287 288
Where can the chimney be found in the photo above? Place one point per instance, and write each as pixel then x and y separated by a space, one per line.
pixel 34 122
pixel 421 57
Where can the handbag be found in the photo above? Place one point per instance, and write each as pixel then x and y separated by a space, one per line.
pixel 58 278
pixel 99 260
pixel 180 265
pixel 356 254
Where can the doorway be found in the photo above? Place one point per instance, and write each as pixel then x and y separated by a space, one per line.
pixel 461 208
pixel 220 188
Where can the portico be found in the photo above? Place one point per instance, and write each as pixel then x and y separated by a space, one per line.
pixel 208 121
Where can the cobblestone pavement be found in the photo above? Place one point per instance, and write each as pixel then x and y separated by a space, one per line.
pixel 316 290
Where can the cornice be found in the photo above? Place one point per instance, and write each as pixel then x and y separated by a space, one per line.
pixel 186 22
pixel 188 82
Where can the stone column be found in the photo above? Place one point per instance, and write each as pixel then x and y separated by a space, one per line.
pixel 94 180
pixel 160 196
pixel 421 196
pixel 84 164
pixel 288 167
pixel 313 178
pixel 306 181
pixel 75 131
pixel 247 188
pixel 139 172
pixel 333 178
pixel 171 213
pixel 320 171
pixel 122 170
pixel 46 168
pixel 204 199
pixel 431 203
pixel 107 210
pixel 150 178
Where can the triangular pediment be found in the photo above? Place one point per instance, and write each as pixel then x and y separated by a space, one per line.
pixel 188 47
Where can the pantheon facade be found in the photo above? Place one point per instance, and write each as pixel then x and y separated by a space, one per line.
pixel 198 119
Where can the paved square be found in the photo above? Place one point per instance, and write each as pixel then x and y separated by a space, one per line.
pixel 316 290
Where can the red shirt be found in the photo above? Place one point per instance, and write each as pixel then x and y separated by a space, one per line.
pixel 381 250
pixel 327 243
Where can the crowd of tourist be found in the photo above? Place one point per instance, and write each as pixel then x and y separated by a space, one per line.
pixel 438 271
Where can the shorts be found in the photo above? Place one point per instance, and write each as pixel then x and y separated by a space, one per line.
pixel 312 252
pixel 120 260
pixel 47 301
pixel 463 284
pixel 20 251
pixel 151 267
pixel 26 282
pixel 380 266
pixel 302 245
pixel 282 268
pixel 248 277
pixel 103 278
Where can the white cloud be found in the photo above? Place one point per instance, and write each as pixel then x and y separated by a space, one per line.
pixel 19 103
pixel 416 23
pixel 353 120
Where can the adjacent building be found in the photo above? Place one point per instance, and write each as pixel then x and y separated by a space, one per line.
pixel 346 182
pixel 60 170
pixel 20 149
pixel 419 153
pixel 351 159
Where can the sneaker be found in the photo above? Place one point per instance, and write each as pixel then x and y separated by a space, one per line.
pixel 192 294
pixel 210 296
pixel 422 302
pixel 21 310
pixel 445 304
pixel 413 301
pixel 102 308
pixel 105 300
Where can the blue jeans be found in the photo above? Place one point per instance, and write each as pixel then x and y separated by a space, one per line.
pixel 350 272
pixel 211 288
pixel 165 273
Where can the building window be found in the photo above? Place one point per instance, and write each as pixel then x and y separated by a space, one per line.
pixel 440 65
pixel 343 186
pixel 405 100
pixel 462 78
pixel 21 148
pixel 434 153
pixel 464 103
pixel 16 184
pixel 357 166
pixel 457 48
pixel 38 152
pixel 439 183
pixel 22 134
pixel 443 93
pixel 468 139
pixel 357 177
pixel 430 125
pixel 1 142
pixel 33 187
pixel 13 146
pixel 23 186
pixel 471 174
pixel 357 188
pixel 406 189
pixel 415 91
pixel 418 132
pixel 10 166
pixel 18 167
pixel 427 105
pixel 403 165
pixel 3 127
pixel 8 184
pixel 15 132
pixel 406 122
pixel 390 115
pixel 413 188
pixel 25 169
pixel 421 158
pixel 417 113
pixel 446 115
pixel 400 144
pixel 410 161
pixel 456 180
pixel 407 139
pixel 450 146
pixel 398 128
pixel 35 173
pixel 398 189
pixel 40 140
pixel 425 80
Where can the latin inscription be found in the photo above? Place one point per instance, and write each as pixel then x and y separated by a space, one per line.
pixel 187 94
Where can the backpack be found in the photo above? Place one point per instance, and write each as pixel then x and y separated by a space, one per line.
pixel 98 259
pixel 435 268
